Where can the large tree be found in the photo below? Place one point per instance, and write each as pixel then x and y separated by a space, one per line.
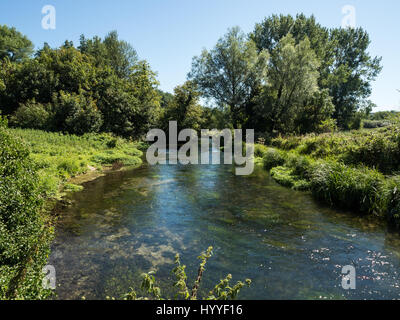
pixel 185 108
pixel 230 73
pixel 346 68
pixel 292 97
pixel 118 54
pixel 352 71
pixel 14 45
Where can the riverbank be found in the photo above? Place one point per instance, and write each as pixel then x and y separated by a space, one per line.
pixel 39 168
pixel 61 158
pixel 355 170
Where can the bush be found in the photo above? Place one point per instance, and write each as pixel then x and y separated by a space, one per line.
pixel 373 124
pixel 302 166
pixel 24 239
pixel 32 115
pixel 260 150
pixel 380 150
pixel 76 114
pixel 287 143
pixel 327 126
pixel 69 166
pixel 273 158
pixel 287 178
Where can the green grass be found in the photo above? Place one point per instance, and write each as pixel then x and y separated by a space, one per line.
pixel 354 170
pixel 376 148
pixel 59 157
pixel 35 167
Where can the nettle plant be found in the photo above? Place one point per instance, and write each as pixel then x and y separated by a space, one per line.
pixel 222 291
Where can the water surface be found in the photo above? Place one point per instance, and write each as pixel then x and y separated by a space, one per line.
pixel 130 222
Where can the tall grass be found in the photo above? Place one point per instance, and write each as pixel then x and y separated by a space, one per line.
pixel 352 170
pixel 378 148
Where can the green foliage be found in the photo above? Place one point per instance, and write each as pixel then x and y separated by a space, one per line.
pixel 111 51
pixel 292 101
pixel 358 189
pixel 100 87
pixel 334 168
pixel 260 150
pixel 184 108
pixel 353 69
pixel 373 124
pixel 393 202
pixel 222 291
pixel 32 115
pixel 58 157
pixel 230 73
pixel 273 158
pixel 14 45
pixel 75 114
pixel 24 233
pixel 346 68
pixel 327 126
pixel 373 148
pixel 286 177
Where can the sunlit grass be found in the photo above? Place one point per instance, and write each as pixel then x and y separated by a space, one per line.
pixel 59 157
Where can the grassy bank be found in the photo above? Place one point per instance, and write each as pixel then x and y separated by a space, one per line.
pixel 35 166
pixel 59 157
pixel 351 170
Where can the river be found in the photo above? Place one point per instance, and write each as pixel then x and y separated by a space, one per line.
pixel 291 247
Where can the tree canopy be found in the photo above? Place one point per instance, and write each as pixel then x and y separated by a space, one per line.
pixel 289 75
pixel 14 45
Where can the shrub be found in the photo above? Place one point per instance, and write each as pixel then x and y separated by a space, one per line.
pixel 76 114
pixel 327 126
pixel 260 150
pixel 24 239
pixel 288 143
pixel 32 115
pixel 373 124
pixel 302 166
pixel 380 150
pixel 69 166
pixel 273 158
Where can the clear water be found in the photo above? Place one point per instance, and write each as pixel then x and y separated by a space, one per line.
pixel 131 222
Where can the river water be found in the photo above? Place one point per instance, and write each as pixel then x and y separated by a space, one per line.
pixel 290 246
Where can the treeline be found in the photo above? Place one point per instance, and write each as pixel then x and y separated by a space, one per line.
pixel 289 76
pixel 99 86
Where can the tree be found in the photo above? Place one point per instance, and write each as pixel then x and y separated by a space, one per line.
pixel 185 108
pixel 129 106
pixel 353 69
pixel 292 95
pixel 64 69
pixel 230 73
pixel 14 45
pixel 118 54
pixel 267 34
pixel 346 68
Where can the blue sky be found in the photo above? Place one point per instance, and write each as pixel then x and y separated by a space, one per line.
pixel 168 33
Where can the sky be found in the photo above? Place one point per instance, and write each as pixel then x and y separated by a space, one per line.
pixel 169 33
